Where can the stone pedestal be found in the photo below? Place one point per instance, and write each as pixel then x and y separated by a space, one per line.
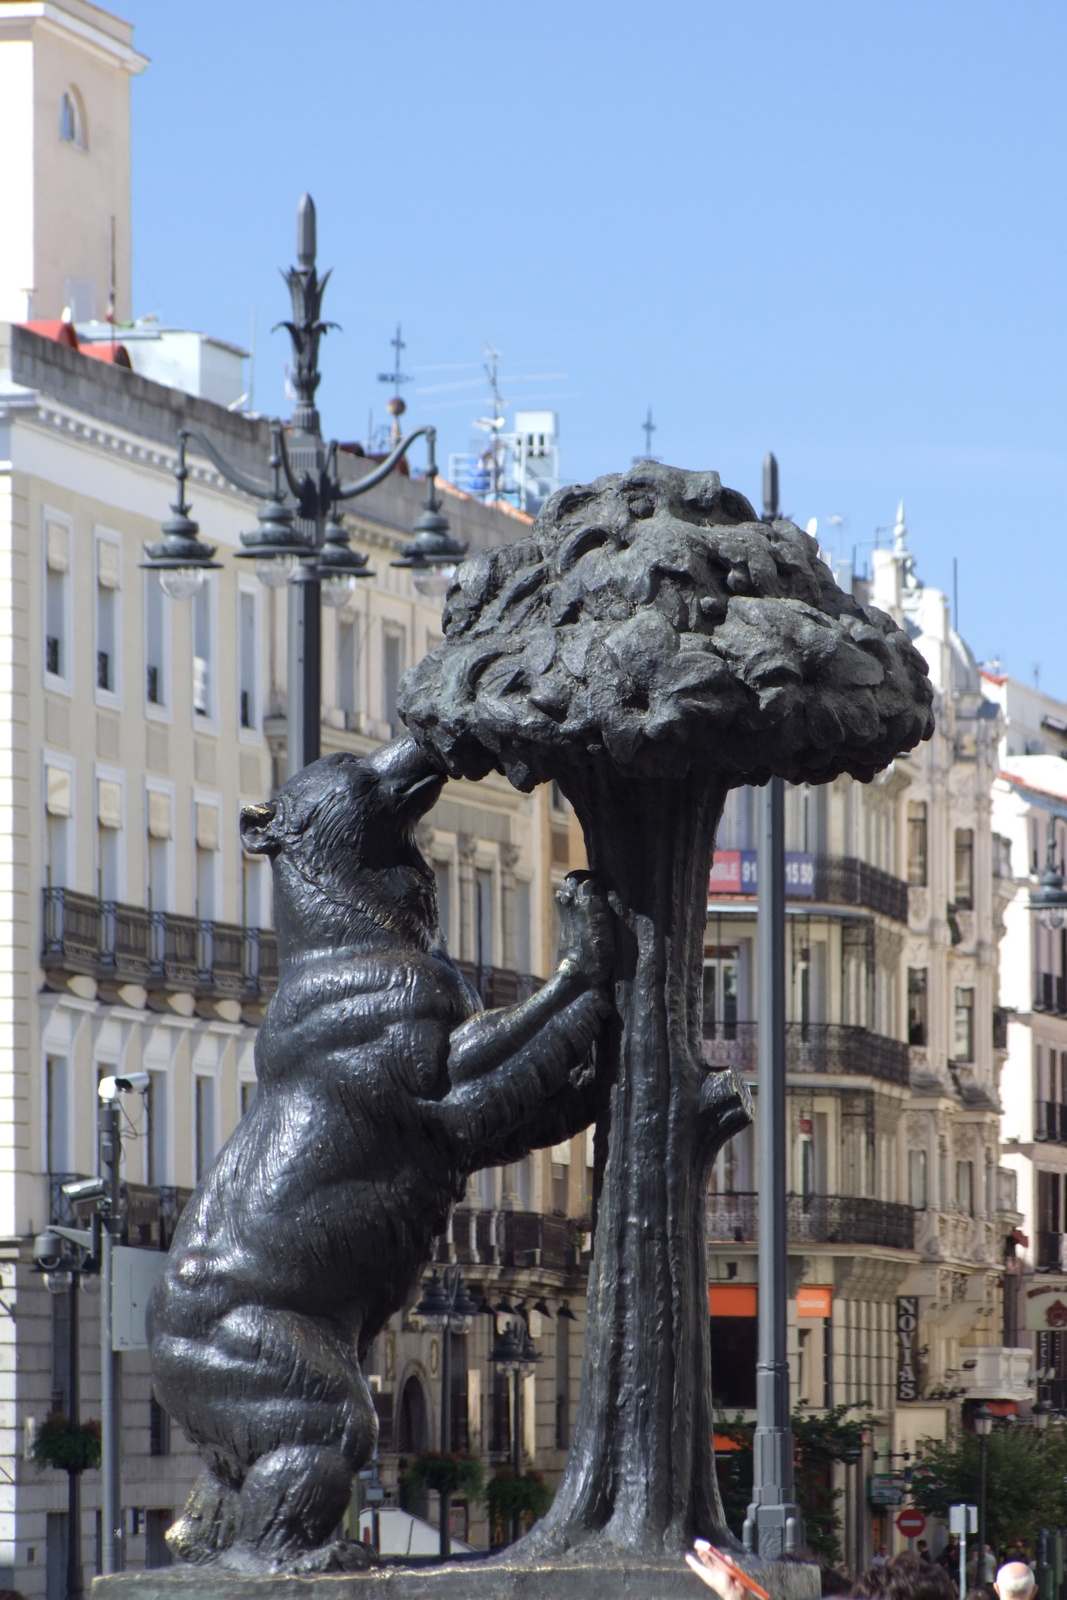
pixel 461 1580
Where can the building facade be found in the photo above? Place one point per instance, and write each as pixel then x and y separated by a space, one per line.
pixel 897 1206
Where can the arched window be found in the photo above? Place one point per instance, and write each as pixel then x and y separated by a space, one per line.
pixel 72 119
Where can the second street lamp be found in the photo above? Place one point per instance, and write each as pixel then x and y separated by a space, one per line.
pixel 983 1426
pixel 301 540
pixel 446 1308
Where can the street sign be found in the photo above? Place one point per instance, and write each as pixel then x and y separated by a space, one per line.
pixel 911 1523
pixel 135 1274
pixel 885 1489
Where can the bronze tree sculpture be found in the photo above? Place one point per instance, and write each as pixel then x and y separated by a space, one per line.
pixel 649 645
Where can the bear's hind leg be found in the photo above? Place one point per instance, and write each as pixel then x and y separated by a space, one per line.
pixel 291 1501
pixel 207 1524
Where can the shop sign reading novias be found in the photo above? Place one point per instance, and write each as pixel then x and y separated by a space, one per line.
pixel 734 872
pixel 907 1338
pixel 1046 1304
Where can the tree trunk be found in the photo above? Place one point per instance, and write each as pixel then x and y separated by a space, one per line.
pixel 640 1478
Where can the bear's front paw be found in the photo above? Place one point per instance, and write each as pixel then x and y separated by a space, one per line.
pixel 586 929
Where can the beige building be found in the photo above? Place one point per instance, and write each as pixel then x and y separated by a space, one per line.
pixel 65 74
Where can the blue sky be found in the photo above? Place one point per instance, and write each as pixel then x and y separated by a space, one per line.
pixel 834 228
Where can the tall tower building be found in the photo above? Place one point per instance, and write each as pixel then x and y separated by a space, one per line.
pixel 65 69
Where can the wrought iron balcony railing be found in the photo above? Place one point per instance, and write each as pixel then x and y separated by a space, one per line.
pixel 1050 1120
pixel 512 1239
pixel 105 939
pixel 826 1047
pixel 815 1219
pixel 845 881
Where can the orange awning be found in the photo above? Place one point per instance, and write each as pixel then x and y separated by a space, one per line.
pixel 732 1299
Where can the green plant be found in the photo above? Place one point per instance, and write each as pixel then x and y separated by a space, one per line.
pixel 819 1440
pixel 65 1448
pixel 446 1472
pixel 1024 1480
pixel 508 1496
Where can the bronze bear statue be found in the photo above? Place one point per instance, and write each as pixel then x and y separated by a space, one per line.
pixel 382 1087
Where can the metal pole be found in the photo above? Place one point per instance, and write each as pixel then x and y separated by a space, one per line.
pixel 74 1481
pixel 111 1516
pixel 446 1436
pixel 304 670
pixel 773 1524
pixel 516 1447
pixel 979 1571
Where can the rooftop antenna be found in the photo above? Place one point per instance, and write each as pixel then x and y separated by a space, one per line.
pixel 494 423
pixel 396 405
pixel 770 486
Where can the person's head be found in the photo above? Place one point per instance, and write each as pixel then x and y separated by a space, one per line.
pixel 906 1577
pixel 1015 1581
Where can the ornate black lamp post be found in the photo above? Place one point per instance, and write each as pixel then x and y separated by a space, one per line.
pixel 446 1308
pixel 515 1355
pixel 983 1426
pixel 301 540
pixel 1049 899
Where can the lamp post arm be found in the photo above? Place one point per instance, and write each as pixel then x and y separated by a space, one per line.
pixel 240 480
pixel 372 479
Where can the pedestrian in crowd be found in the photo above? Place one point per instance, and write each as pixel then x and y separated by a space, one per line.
pixel 922 1549
pixel 975 1578
pixel 881 1556
pixel 904 1577
pixel 950 1557
pixel 1015 1581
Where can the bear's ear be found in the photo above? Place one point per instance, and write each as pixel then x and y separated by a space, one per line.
pixel 258 834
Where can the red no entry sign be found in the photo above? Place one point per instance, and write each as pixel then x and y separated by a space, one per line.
pixel 911 1523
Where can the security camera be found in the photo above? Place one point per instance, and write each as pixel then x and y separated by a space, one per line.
pixel 84 1189
pixel 48 1250
pixel 108 1088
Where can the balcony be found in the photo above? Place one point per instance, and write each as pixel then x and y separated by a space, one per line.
pixel 148 1215
pixel 513 1239
pixel 121 944
pixel 833 1048
pixel 1050 1121
pixel 1050 993
pixel 815 1219
pixel 844 881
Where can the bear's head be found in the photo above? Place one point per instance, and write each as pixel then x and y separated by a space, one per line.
pixel 341 839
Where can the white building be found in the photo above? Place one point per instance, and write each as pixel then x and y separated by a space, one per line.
pixel 1030 814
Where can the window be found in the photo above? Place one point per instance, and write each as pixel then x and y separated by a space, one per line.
pixel 156 642
pixel 917 843
pixel 964 872
pixel 203 652
pixel 392 668
pixel 107 618
pixel 965 1187
pixel 1048 1202
pixel 252 910
pixel 917 1015
pixel 942 1174
pixel 57 603
pixel 58 1114
pixel 72 119
pixel 917 1179
pixel 964 1025
pixel 483 918
pixel 205 1142
pixel 249 1089
pixel 159 838
pixel 248 700
pixel 156 1550
pixel 158 1429
pixel 207 848
pixel 720 995
pixel 347 659
pixel 523 933
pixel 59 805
pixel 442 872
pixel 108 839
pixel 156 1141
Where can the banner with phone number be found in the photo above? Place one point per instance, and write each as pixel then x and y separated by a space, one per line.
pixel 735 872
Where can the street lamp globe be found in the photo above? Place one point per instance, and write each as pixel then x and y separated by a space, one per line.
pixel 1039 1415
pixel 507 1352
pixel 983 1421
pixel 181 583
pixel 1049 899
pixel 434 1306
pixel 274 572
